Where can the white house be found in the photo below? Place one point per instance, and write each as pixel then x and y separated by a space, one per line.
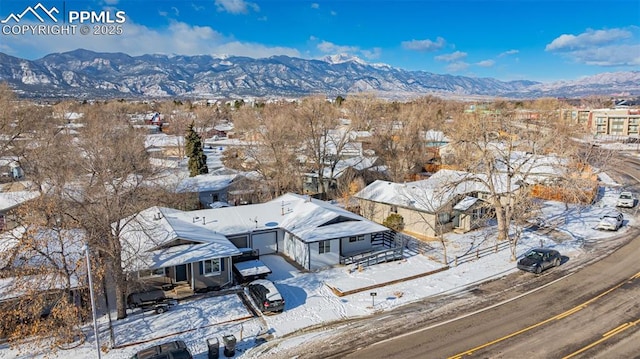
pixel 176 245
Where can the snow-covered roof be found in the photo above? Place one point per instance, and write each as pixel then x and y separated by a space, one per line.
pixel 14 287
pixel 531 166
pixel 163 140
pixel 314 220
pixel 205 182
pixel 431 194
pixel 465 203
pixel 159 237
pixel 359 163
pixel 16 193
pixel 435 136
pixel 225 127
pixel 146 238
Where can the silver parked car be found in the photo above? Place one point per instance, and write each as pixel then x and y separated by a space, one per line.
pixel 611 221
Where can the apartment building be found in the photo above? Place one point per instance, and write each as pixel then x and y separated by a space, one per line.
pixel 615 122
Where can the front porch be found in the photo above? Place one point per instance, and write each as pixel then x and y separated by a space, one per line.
pixel 178 290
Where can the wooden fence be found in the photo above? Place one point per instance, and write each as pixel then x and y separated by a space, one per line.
pixel 480 252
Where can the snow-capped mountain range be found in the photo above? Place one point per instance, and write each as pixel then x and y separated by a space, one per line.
pixel 83 73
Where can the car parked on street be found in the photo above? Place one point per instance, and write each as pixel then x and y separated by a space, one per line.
pixel 176 349
pixel 611 221
pixel 266 296
pixel 626 200
pixel 538 259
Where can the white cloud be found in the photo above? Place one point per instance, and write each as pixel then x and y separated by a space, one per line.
pixel 177 38
pixel 455 56
pixel 254 50
pixel 590 38
pixel 509 52
pixel 424 45
pixel 315 5
pixel 236 6
pixel 372 54
pixel 111 2
pixel 617 55
pixel 333 13
pixel 486 63
pixel 457 66
pixel 612 47
pixel 331 48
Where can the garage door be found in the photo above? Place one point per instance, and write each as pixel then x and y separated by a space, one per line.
pixel 265 242
pixel 240 241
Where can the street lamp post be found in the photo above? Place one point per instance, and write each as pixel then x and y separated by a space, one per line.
pixel 93 304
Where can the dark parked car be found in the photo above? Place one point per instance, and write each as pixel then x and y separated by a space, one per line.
pixel 172 350
pixel 538 259
pixel 266 296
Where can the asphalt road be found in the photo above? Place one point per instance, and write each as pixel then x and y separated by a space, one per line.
pixel 558 320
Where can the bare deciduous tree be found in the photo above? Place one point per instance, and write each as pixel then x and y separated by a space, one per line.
pixel 315 118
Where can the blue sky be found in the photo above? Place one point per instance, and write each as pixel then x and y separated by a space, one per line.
pixel 508 40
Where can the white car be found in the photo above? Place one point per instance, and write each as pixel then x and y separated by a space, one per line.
pixel 610 221
pixel 626 199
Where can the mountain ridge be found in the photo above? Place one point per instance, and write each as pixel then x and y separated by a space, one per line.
pixel 88 74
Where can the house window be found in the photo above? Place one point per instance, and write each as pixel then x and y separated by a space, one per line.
pixel 324 247
pixel 356 239
pixel 211 267
pixel 394 209
pixel 151 273
pixel 444 218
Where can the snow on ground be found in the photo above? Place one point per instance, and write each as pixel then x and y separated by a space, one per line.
pixel 311 302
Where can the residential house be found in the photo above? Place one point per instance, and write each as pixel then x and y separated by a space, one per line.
pixel 170 246
pixel 434 142
pixel 445 201
pixel 346 170
pixel 12 195
pixel 39 272
pixel 210 189
pixel 163 145
pixel 163 246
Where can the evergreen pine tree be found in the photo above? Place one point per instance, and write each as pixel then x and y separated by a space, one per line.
pixel 193 149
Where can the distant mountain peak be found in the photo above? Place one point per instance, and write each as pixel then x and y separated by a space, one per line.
pixel 342 58
pixel 87 74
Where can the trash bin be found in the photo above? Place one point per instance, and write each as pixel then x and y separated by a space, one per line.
pixel 229 345
pixel 214 348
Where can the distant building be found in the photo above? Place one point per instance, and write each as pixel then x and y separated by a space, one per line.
pixel 616 122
